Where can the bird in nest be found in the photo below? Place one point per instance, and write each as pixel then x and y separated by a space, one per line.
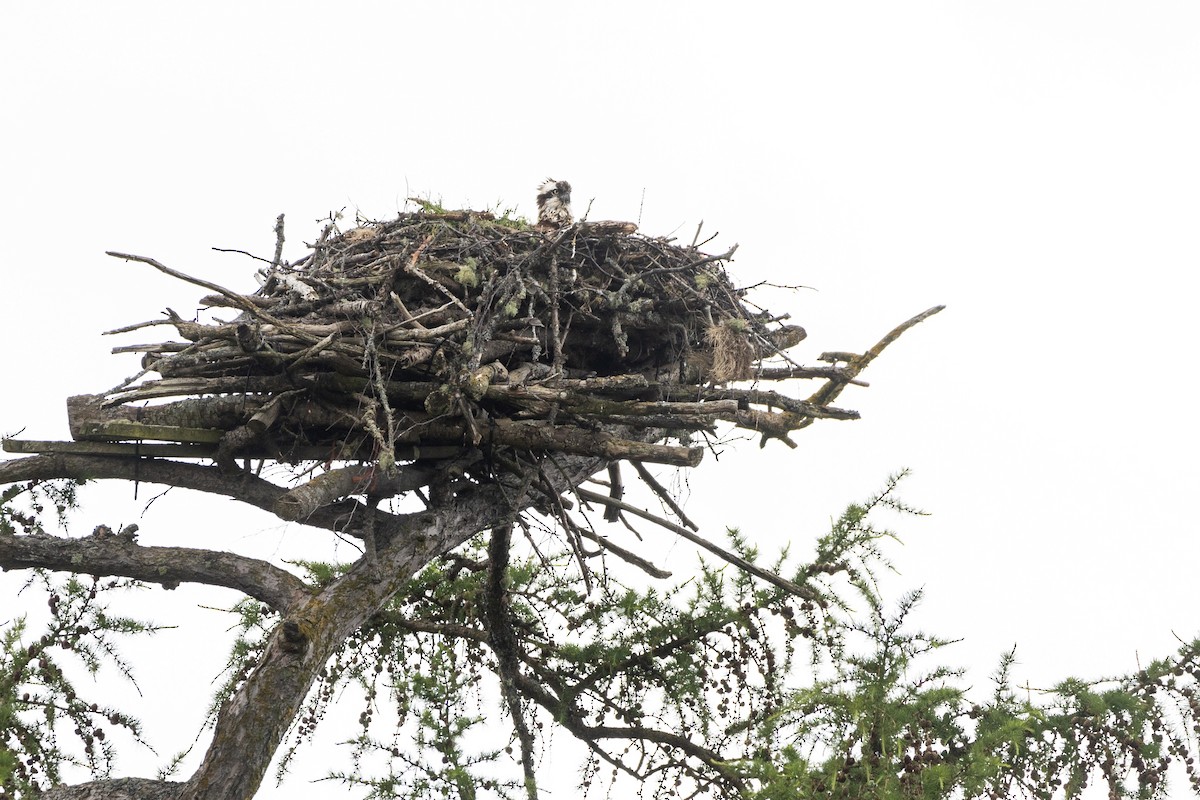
pixel 554 204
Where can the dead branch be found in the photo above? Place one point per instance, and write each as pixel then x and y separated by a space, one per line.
pixel 663 494
pixel 720 552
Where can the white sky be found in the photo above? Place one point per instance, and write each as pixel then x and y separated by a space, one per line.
pixel 1033 165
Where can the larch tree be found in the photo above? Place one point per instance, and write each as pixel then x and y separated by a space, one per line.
pixel 464 396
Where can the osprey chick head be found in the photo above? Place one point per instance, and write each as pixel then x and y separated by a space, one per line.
pixel 554 204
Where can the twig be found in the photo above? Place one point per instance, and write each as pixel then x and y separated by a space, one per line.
pixel 371 355
pixel 616 490
pixel 278 259
pixel 663 494
pixel 407 315
pixel 728 254
pixel 239 252
pixel 138 326
pixel 412 269
pixel 831 390
pixel 556 353
pixel 787 373
pixel 573 531
pixel 239 300
pixel 626 555
pixel 720 552
pixel 304 355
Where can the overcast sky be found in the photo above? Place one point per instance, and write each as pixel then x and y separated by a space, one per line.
pixel 1032 165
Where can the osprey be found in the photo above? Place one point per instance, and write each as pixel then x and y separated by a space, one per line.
pixel 554 204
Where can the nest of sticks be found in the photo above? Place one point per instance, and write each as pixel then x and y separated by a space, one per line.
pixel 435 337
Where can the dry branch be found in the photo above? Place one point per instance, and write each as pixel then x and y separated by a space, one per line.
pixel 720 552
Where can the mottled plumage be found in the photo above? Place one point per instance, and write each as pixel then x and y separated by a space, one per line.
pixel 554 204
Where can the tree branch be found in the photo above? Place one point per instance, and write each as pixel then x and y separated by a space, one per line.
pixel 720 552
pixel 573 721
pixel 170 566
pixel 829 392
pixel 346 517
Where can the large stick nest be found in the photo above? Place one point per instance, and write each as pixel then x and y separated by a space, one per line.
pixel 442 333
pixel 438 295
